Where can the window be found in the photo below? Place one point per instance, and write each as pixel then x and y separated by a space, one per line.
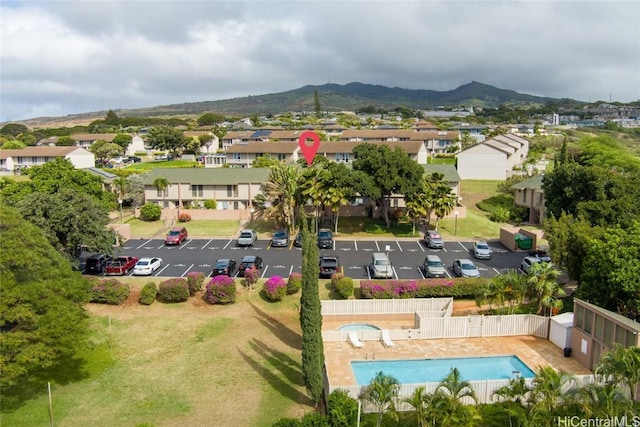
pixel 237 156
pixel 579 317
pixel 608 332
pixel 197 190
pixel 442 143
pixel 342 157
pixel 282 157
pixel 599 330
pixel 588 320
pixel 34 160
pixel 232 191
pixel 235 205
pixel 524 196
pixel 224 205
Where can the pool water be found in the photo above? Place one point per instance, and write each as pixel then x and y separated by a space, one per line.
pixel 434 370
pixel 358 327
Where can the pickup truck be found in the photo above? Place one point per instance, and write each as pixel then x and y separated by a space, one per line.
pixel 120 266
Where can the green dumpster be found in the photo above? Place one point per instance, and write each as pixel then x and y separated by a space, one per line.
pixel 523 242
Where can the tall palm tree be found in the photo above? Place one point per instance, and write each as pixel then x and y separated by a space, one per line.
pixel 416 208
pixel 382 392
pixel 447 407
pixel 444 201
pixel 621 365
pixel 508 288
pixel 280 192
pixel 514 393
pixel 420 400
pixel 161 184
pixel 546 396
pixel 312 189
pixel 544 286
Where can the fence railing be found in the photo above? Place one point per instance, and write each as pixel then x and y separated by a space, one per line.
pixel 386 306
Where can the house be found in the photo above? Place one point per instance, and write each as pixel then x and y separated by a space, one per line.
pixel 243 154
pixel 494 158
pixel 86 140
pixel 473 130
pixel 232 189
pixel 529 194
pixel 450 175
pixel 438 142
pixel 211 146
pixel 342 151
pixel 13 160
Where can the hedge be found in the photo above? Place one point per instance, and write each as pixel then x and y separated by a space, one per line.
pixel 426 288
pixel 148 294
pixel 173 290
pixel 220 290
pixel 109 291
pixel 275 288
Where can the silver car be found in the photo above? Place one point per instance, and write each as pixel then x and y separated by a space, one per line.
pixel 481 250
pixel 247 237
pixel 465 268
pixel 433 266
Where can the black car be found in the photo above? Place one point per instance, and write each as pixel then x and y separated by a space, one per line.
pixel 280 239
pixel 325 239
pixel 96 264
pixel 248 262
pixel 329 265
pixel 297 242
pixel 224 267
pixel 134 159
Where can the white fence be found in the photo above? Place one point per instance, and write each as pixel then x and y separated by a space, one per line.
pixel 484 390
pixel 442 306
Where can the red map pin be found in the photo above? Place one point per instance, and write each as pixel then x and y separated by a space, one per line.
pixel 309 151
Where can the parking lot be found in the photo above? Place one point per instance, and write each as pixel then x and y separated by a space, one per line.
pixel 406 256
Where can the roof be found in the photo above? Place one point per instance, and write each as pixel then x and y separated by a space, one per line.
pixel 628 323
pixel 331 147
pixel 106 176
pixel 41 152
pixel 481 146
pixel 449 171
pixel 94 136
pixel 564 319
pixel 209 176
pixel 276 147
pixel 533 183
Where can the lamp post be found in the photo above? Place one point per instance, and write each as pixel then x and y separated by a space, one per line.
pixel 455 232
pixel 120 203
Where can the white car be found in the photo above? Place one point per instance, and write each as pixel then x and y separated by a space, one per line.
pixel 147 266
pixel 481 250
pixel 528 262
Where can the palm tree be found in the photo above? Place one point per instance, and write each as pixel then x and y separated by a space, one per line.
pixel 416 208
pixel 161 184
pixel 382 392
pixel 547 393
pixel 621 365
pixel 420 400
pixel 544 287
pixel 312 188
pixel 599 400
pixel 447 407
pixel 280 192
pixel 515 392
pixel 444 201
pixel 508 288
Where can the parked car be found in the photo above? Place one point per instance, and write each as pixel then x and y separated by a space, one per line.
pixel 96 264
pixel 433 240
pixel 433 266
pixel 329 265
pixel 528 262
pixel 247 237
pixel 380 267
pixel 541 254
pixel 280 239
pixel 465 268
pixel 176 236
pixel 297 242
pixel 249 261
pixel 224 267
pixel 121 265
pixel 161 157
pixel 481 250
pixel 135 159
pixel 147 266
pixel 325 238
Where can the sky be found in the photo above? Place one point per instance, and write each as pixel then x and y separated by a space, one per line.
pixel 61 57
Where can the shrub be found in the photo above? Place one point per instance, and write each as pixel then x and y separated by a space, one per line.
pixel 150 212
pixel 173 290
pixel 184 217
pixel 500 215
pixel 148 294
pixel 210 204
pixel 251 276
pixel 335 277
pixel 314 419
pixel 195 280
pixel 109 291
pixel 287 422
pixel 275 288
pixel 344 287
pixel 342 409
pixel 426 288
pixel 294 283
pixel 220 290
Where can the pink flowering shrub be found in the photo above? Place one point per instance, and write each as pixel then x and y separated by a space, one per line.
pixel 109 291
pixel 173 290
pixel 220 290
pixel 426 288
pixel 294 283
pixel 251 276
pixel 275 288
pixel 184 217
pixel 335 277
pixel 195 281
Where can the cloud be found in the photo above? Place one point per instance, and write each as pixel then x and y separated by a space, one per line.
pixel 61 58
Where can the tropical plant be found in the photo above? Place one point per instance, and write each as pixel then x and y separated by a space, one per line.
pixel 621 365
pixel 161 185
pixel 251 276
pixel 382 392
pixel 278 199
pixel 447 407
pixel 505 289
pixel 546 396
pixel 544 287
pixel 420 401
pixel 275 288
pixel 515 392
pixel 342 409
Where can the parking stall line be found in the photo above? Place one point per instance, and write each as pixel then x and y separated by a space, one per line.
pixel 421 274
pixel 185 245
pixel 187 271
pixel 496 270
pixel 161 270
pixel 399 247
pixel 206 244
pixel 368 272
pixel 148 241
pixel 356 245
pixel 162 246
pixel 228 243
pixel 377 247
pixel 420 246
pixel 291 270
pixel 460 243
pixel 264 272
pixel 395 273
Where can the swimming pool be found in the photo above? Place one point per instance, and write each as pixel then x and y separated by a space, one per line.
pixel 358 327
pixel 410 371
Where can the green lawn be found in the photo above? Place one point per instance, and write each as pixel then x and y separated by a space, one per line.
pixel 200 228
pixel 163 164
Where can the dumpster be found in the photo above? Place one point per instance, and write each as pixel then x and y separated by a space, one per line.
pixel 523 242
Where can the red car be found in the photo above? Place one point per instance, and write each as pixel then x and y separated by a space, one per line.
pixel 120 266
pixel 175 236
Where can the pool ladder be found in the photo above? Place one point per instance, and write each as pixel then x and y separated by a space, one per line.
pixel 366 356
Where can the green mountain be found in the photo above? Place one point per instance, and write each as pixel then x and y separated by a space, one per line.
pixel 335 97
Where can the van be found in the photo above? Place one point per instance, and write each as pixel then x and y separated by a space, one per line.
pixel 96 264
pixel 433 266
pixel 380 267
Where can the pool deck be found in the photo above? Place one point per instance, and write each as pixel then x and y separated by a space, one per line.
pixel 533 351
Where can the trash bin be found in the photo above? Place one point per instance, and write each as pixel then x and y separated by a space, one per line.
pixel 567 352
pixel 523 242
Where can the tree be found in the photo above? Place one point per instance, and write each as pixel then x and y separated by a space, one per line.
pixel 210 119
pixel 112 118
pixel 621 365
pixel 13 129
pixel 166 138
pixel 104 150
pixel 123 140
pixel 65 141
pixel 70 219
pixel 311 317
pixel 544 287
pixel 161 184
pixel 509 288
pixel 382 392
pixel 135 190
pixel 13 145
pixel 599 400
pixel 42 318
pixel 391 172
pixel 420 401
pixel 206 140
pixel 338 188
pixel 515 392
pixel 28 139
pixel 316 103
pixel 265 161
pixel 342 409
pixel 447 403
pixel 279 195
pixel 547 393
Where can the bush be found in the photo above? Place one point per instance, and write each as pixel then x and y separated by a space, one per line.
pixel 148 294
pixel 275 288
pixel 173 290
pixel 314 419
pixel 294 283
pixel 344 287
pixel 150 212
pixel 426 288
pixel 220 290
pixel 342 409
pixel 251 276
pixel 195 280
pixel 210 204
pixel 287 422
pixel 335 277
pixel 500 215
pixel 109 291
pixel 184 217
